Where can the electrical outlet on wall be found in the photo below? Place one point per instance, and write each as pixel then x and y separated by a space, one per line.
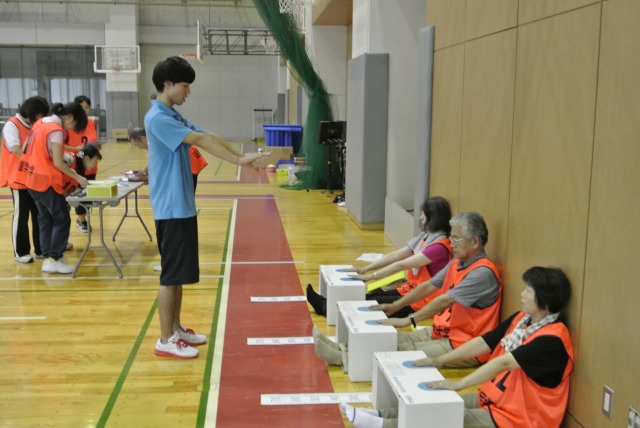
pixel 607 401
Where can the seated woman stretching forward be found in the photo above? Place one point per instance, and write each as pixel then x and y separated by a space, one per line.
pixel 525 383
pixel 424 256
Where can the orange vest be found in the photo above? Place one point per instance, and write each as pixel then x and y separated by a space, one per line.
pixel 10 161
pixel 423 275
pixel 70 184
pixel 527 404
pixel 198 162
pixel 462 324
pixel 88 135
pixel 36 164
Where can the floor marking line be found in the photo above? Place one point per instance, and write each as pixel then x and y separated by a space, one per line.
pixel 268 341
pixel 216 369
pixel 278 299
pixel 89 278
pixel 113 397
pixel 22 318
pixel 315 398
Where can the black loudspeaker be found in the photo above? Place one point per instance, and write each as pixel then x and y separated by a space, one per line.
pixel 332 133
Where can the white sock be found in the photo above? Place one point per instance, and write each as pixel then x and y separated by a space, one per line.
pixel 361 417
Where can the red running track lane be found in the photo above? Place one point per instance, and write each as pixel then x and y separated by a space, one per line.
pixel 249 371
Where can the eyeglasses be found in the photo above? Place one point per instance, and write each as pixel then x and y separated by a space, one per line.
pixel 456 240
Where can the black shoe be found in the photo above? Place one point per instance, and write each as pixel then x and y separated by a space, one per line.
pixel 318 302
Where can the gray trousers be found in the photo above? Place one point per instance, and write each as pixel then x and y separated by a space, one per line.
pixel 421 340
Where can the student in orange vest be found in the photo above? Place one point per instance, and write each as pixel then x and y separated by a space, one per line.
pixel 76 141
pixel 14 135
pixel 525 383
pixel 469 304
pixel 42 167
pixel 80 161
pixel 138 137
pixel 422 257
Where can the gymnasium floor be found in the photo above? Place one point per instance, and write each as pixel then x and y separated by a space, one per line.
pixel 79 352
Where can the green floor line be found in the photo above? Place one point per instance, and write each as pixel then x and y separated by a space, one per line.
pixel 125 370
pixel 206 381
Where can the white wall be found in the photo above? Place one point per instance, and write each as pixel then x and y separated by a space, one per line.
pixel 392 26
pixel 327 45
pixel 225 92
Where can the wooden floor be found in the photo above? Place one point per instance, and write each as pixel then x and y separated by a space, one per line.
pixel 79 352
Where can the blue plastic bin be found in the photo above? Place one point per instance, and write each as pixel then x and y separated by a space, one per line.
pixel 283 135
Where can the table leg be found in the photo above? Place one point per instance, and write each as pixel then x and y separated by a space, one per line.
pixel 86 247
pixel 126 214
pixel 89 232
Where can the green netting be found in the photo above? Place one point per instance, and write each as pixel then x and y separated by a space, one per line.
pixel 293 51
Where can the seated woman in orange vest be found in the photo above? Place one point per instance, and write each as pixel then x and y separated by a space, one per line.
pixel 424 256
pixel 468 306
pixel 42 168
pixel 138 137
pixel 75 143
pixel 525 384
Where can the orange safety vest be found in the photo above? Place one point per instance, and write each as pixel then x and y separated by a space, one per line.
pixel 462 324
pixel 70 184
pixel 423 275
pixel 198 162
pixel 10 161
pixel 36 166
pixel 514 400
pixel 87 135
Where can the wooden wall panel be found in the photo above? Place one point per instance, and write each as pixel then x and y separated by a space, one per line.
pixel 532 10
pixel 609 345
pixel 446 124
pixel 552 148
pixel 485 17
pixel 487 120
pixel 448 16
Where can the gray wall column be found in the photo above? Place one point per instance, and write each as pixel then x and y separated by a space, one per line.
pixel 366 166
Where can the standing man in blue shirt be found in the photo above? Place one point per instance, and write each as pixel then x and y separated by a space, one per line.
pixel 170 136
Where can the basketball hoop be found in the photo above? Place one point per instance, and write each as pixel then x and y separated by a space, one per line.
pixel 269 44
pixel 191 57
pixel 295 8
pixel 116 68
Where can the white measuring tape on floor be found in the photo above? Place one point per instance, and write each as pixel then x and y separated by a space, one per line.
pixel 305 399
pixel 303 340
pixel 279 299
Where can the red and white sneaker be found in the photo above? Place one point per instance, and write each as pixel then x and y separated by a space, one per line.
pixel 190 336
pixel 175 348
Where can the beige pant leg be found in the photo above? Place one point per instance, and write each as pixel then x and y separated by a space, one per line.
pixel 474 415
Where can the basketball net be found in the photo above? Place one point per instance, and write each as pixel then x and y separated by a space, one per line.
pixel 295 8
pixel 269 44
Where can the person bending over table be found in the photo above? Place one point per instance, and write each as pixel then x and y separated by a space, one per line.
pixel 525 383
pixel 424 256
pixel 469 305
pixel 42 168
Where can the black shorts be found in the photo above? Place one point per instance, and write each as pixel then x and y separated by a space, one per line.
pixel 178 246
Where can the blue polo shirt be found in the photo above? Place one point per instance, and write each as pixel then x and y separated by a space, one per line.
pixel 170 178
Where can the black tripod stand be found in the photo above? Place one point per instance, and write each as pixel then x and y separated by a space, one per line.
pixel 332 134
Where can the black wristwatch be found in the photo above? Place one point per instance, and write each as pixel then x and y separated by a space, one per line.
pixel 412 321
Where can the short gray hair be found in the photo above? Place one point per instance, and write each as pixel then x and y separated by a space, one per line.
pixel 136 133
pixel 472 225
